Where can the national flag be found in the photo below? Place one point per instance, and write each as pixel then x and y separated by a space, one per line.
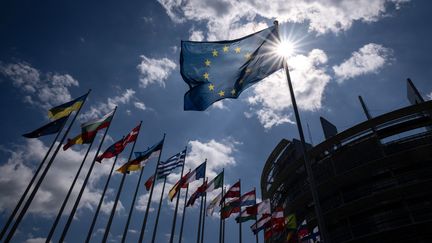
pixel 216 183
pixel 303 230
pixel 291 237
pixel 89 130
pixel 268 233
pixel 50 128
pixel 149 183
pixel 233 192
pixel 213 204
pixel 175 161
pixel 262 208
pixel 248 199
pixel 198 173
pixel 66 108
pixel 176 188
pixel 223 69
pixel 230 207
pixel 120 145
pixel 291 221
pixel 198 193
pixel 141 158
pixel 278 220
pixel 261 224
pixel 245 216
pixel 312 237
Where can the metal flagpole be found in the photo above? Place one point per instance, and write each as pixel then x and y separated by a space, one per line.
pixel 204 214
pixel 158 212
pixel 220 217
pixel 108 226
pixel 184 214
pixel 177 202
pixel 24 195
pixel 309 172
pixel 200 214
pixel 42 177
pixel 89 234
pixel 240 223
pixel 223 222
pixel 256 219
pixel 75 206
pixel 132 206
pixel 59 214
pixel 150 196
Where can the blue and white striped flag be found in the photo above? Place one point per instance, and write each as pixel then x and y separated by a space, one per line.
pixel 166 167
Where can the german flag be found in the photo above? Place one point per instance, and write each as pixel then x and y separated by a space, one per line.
pixel 66 108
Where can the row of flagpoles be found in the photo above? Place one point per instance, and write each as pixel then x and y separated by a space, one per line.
pixel 229 201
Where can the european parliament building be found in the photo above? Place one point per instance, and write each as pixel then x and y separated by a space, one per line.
pixel 374 180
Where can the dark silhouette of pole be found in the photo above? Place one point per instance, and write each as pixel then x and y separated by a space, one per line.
pixel 59 214
pixel 132 206
pixel 177 203
pixel 204 215
pixel 220 218
pixel 158 212
pixel 184 214
pixel 256 219
pixel 309 172
pixel 108 226
pixel 223 222
pixel 41 178
pixel 150 197
pixel 75 206
pixel 200 216
pixel 240 223
pixel 89 234
pixel 24 195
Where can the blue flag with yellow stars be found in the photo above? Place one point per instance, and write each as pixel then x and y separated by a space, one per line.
pixel 223 69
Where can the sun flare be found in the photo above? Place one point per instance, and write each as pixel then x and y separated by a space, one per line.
pixel 286 49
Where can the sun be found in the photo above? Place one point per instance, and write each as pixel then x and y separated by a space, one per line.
pixel 286 48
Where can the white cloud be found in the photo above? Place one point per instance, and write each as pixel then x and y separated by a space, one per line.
pixel 140 105
pixel 368 59
pixel 36 240
pixel 322 16
pixel 271 100
pixel 40 89
pixel 154 71
pixel 196 35
pixel 429 96
pixel 16 173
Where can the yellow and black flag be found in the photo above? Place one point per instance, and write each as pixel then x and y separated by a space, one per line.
pixel 66 108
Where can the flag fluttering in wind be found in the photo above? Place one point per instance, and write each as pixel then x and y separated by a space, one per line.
pixel 198 193
pixel 262 223
pixel 223 69
pixel 120 145
pixel 175 161
pixel 262 208
pixel 149 182
pixel 248 199
pixel 245 216
pixel 176 188
pixel 141 158
pixel 230 207
pixel 198 173
pixel 66 108
pixel 291 222
pixel 50 128
pixel 89 130
pixel 216 183
pixel 213 204
pixel 233 192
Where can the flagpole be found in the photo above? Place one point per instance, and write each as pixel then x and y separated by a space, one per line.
pixel 132 206
pixel 177 202
pixel 42 177
pixel 183 215
pixel 72 213
pixel 256 219
pixel 309 172
pixel 150 196
pixel 59 214
pixel 204 214
pixel 223 221
pixel 108 226
pixel 24 195
pixel 158 212
pixel 89 234
pixel 220 216
pixel 200 214
pixel 240 223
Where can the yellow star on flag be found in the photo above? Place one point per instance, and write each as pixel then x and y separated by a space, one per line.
pixel 225 48
pixel 241 81
pixel 233 91
pixel 211 87
pixel 206 76
pixel 215 53
pixel 221 93
pixel 207 62
pixel 248 56
pixel 237 50
pixel 248 70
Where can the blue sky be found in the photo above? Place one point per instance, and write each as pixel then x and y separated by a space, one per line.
pixel 128 54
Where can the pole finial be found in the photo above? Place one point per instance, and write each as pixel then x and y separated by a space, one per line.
pixel 276 22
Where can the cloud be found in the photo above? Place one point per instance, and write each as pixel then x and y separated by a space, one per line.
pixel 35 240
pixel 429 96
pixel 44 90
pixel 270 98
pixel 196 35
pixel 103 108
pixel 368 59
pixel 224 17
pixel 154 71
pixel 17 171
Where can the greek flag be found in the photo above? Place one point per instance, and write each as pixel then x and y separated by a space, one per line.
pixel 166 167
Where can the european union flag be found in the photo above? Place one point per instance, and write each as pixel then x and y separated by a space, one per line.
pixel 223 69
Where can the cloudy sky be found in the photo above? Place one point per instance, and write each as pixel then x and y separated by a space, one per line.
pixel 128 54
